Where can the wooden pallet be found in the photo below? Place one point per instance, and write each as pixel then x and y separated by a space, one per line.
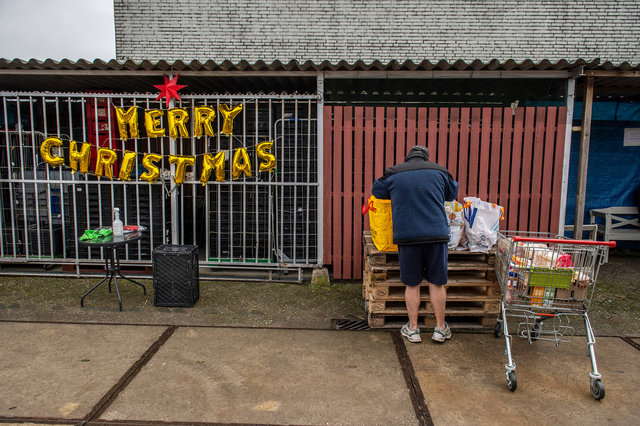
pixel 454 294
pixel 377 321
pixel 378 273
pixel 382 289
pixel 473 292
pixel 390 258
pixel 456 305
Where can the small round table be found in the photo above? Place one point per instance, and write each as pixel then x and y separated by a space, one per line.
pixel 110 245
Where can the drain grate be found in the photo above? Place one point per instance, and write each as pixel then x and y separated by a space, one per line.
pixel 350 324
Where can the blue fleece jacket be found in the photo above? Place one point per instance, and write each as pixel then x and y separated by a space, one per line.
pixel 417 189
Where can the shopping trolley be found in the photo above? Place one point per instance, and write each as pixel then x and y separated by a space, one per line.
pixel 547 280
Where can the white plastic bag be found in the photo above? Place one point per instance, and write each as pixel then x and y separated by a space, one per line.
pixel 481 223
pixel 455 221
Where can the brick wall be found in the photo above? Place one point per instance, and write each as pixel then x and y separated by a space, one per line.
pixel 383 30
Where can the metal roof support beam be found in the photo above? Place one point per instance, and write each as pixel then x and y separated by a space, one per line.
pixel 583 164
pixel 150 73
pixel 616 74
pixel 321 160
pixel 571 95
pixel 328 74
pixel 445 74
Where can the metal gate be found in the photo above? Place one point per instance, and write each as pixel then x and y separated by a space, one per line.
pixel 268 220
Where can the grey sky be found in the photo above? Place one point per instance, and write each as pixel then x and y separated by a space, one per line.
pixel 57 29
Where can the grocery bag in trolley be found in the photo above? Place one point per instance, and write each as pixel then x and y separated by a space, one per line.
pixel 381 223
pixel 481 223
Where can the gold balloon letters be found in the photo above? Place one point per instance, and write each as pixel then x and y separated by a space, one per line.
pixel 104 164
pixel 229 114
pixel 149 162
pixel 263 151
pixel 181 162
pixel 152 122
pixel 177 121
pixel 84 157
pixel 209 163
pixel 128 162
pixel 107 161
pixel 241 164
pixel 128 118
pixel 45 151
pixel 203 118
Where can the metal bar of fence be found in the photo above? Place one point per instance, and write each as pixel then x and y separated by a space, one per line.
pixel 244 188
pixel 308 197
pixel 270 200
pixel 207 204
pixel 225 183
pixel 294 207
pixel 194 198
pixel 137 187
pixel 256 253
pixel 6 139
pixel 27 243
pixel 35 173
pixel 282 176
pixel 60 176
pixel 231 215
pixel 152 96
pixel 48 171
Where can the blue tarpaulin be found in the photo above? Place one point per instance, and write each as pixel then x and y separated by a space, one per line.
pixel 613 175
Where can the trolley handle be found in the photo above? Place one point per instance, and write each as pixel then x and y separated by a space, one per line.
pixel 557 241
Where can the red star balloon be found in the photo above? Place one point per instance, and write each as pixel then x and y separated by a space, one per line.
pixel 169 89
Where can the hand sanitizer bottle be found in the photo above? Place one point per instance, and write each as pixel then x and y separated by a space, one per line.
pixel 118 230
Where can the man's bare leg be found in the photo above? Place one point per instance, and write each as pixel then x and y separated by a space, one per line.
pixel 412 299
pixel 438 296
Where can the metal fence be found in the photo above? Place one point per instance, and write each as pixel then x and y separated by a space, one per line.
pixel 268 220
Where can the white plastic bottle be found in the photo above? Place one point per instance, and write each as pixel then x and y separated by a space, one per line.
pixel 118 229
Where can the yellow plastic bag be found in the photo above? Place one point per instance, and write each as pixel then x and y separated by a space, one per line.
pixel 381 223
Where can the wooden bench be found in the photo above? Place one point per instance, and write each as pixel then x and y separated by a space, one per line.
pixel 591 228
pixel 620 223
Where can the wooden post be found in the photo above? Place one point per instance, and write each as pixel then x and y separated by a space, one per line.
pixel 583 164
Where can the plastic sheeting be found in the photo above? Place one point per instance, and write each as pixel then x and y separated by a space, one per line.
pixel 613 175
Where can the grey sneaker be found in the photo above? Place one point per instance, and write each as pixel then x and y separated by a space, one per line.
pixel 440 335
pixel 412 335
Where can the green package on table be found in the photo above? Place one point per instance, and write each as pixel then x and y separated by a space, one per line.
pixel 93 234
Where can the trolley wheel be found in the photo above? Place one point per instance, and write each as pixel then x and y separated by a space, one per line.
pixel 535 331
pixel 497 329
pixel 512 382
pixel 597 389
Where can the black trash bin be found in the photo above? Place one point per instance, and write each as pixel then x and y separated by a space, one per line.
pixel 176 280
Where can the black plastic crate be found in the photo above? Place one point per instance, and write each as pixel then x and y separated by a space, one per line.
pixel 176 280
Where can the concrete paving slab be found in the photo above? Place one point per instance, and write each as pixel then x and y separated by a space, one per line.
pixel 464 381
pixel 270 376
pixel 63 370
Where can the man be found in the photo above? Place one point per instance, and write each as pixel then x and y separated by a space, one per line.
pixel 418 189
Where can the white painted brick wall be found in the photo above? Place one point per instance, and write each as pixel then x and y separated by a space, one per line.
pixel 383 30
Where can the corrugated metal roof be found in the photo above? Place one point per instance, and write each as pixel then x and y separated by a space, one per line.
pixel 276 77
pixel 477 65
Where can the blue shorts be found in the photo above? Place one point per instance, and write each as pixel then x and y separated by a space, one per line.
pixel 427 260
